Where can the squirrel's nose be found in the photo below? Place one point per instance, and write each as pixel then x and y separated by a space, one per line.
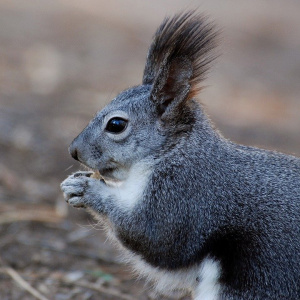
pixel 73 151
pixel 74 154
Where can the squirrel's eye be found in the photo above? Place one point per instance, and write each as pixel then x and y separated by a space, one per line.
pixel 116 125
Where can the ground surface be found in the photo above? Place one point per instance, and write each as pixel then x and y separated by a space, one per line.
pixel 60 62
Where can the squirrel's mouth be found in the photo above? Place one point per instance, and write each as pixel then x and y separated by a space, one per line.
pixel 101 174
pixel 109 172
pixel 109 175
pixel 106 172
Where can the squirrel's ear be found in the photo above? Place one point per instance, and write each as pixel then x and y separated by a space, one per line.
pixel 172 83
pixel 179 58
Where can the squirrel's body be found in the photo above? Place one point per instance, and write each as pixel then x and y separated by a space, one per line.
pixel 193 210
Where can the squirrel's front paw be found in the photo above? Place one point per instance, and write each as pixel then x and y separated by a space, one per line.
pixel 75 187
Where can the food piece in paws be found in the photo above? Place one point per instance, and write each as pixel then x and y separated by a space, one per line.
pixel 96 175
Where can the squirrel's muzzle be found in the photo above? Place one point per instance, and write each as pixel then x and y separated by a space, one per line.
pixel 73 151
pixel 74 154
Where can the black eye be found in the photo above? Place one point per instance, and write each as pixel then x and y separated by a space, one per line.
pixel 116 125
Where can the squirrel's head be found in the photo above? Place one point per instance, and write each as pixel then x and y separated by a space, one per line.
pixel 144 121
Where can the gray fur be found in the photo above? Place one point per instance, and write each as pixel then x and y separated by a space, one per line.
pixel 197 195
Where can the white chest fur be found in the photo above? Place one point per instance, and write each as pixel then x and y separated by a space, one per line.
pixel 129 191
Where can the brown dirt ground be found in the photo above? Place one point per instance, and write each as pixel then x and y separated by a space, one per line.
pixel 60 62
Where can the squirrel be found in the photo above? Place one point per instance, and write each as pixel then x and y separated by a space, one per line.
pixel 192 211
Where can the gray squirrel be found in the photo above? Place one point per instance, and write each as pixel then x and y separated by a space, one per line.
pixel 191 210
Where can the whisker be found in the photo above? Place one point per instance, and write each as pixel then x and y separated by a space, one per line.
pixel 69 168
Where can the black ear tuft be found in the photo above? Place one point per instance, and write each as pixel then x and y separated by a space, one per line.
pixel 179 57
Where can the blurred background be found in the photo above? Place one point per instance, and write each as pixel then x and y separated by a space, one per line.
pixel 60 62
